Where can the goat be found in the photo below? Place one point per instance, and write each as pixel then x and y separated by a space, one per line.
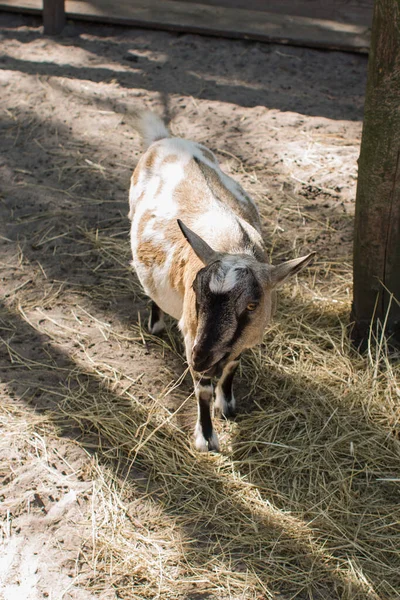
pixel 198 253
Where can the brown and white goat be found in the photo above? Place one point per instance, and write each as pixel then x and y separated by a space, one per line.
pixel 198 252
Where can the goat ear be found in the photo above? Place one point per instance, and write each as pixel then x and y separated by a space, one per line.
pixel 280 273
pixel 205 253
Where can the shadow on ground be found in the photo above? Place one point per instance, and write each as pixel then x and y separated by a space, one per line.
pixel 308 82
pixel 46 379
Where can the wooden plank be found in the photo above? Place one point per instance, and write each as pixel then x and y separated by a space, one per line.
pixel 377 219
pixel 177 15
pixel 53 16
pixel 358 12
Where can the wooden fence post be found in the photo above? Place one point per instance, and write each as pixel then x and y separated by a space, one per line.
pixel 377 220
pixel 53 16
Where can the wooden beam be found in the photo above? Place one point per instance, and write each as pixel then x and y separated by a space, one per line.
pixel 376 299
pixel 221 21
pixel 53 16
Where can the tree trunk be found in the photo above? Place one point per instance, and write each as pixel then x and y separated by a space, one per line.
pixel 377 219
pixel 53 16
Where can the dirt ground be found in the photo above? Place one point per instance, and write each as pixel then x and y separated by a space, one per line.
pixel 285 122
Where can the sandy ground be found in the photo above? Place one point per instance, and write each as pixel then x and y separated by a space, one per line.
pixel 286 122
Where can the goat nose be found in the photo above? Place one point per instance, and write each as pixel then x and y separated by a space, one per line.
pixel 200 358
pixel 196 353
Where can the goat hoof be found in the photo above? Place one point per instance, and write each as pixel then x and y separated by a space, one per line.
pixel 203 445
pixel 226 409
pixel 213 443
pixel 228 413
pixel 157 328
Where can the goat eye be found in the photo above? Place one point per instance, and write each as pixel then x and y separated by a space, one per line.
pixel 251 306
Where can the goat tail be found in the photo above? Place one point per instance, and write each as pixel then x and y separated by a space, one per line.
pixel 150 127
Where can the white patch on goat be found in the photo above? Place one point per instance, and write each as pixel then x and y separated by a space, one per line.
pixel 164 204
pixel 172 174
pixel 217 226
pixel 168 299
pixel 200 442
pixel 223 281
pixel 204 389
pixel 226 277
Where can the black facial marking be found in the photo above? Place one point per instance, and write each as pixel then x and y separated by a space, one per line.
pixel 215 314
pixel 243 321
pixel 222 315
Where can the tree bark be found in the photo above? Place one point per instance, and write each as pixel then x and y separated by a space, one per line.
pixel 377 220
pixel 53 16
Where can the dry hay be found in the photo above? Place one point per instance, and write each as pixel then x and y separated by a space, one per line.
pixel 303 501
